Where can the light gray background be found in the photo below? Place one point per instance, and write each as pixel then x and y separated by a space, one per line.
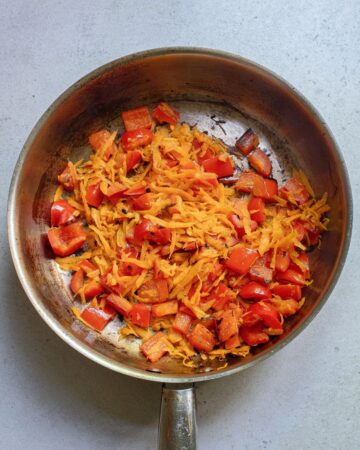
pixel 306 396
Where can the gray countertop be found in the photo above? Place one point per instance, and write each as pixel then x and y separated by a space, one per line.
pixel 304 397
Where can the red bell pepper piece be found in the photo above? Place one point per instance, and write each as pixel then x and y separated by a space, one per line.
pixel 227 325
pixel 136 118
pixel 291 276
pixel 203 156
pixel 77 281
pixel 256 209
pixel 286 291
pixel 97 318
pixel 135 191
pixel 154 291
pixel 146 230
pixel 201 338
pixel 164 113
pixel 94 196
pixel 294 191
pixel 92 289
pixel 142 203
pixel 155 347
pixel 165 308
pixel 222 166
pixel 247 142
pixel 222 294
pixel 185 310
pixel 282 260
pixel 132 159
pixel 87 266
pixel 265 188
pixel 141 315
pixel 233 341
pixel 66 179
pixel 61 213
pixel 98 139
pixel 260 162
pixel 238 224
pixel 260 273
pixel 120 304
pixel 67 239
pixel 182 322
pixel 130 140
pixel 253 335
pixel 254 291
pixel 267 313
pixel 241 259
pixel 115 192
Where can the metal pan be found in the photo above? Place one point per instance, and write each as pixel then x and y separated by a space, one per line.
pixel 223 94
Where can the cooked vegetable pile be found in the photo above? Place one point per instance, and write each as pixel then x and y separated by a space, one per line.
pixel 199 261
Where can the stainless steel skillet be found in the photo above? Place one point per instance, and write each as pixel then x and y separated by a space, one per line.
pixel 223 94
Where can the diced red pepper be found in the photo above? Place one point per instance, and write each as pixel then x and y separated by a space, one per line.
pixel 261 273
pixel 67 239
pixel 142 203
pixel 300 230
pixel 305 265
pixel 146 230
pixel 203 156
pixel 77 281
pixel 294 191
pixel 155 347
pixel 66 179
pixel 238 224
pixel 61 213
pixel 165 308
pixel 120 304
pixel 94 196
pixel 115 192
pixel 222 294
pixel 201 338
pixel 253 335
pixel 135 191
pixel 227 325
pixel 246 182
pixel 233 341
pixel 184 309
pixel 222 166
pixel 209 323
pixel 267 313
pixel 98 139
pixel 130 140
pixel 265 188
pixel 133 158
pixel 136 118
pixel 154 291
pixel 97 318
pixel 164 113
pixel 247 142
pixel 141 315
pixel 241 259
pixel 256 208
pixel 291 276
pixel 260 162
pixel 182 322
pixel 92 289
pixel 254 291
pixel 286 291
pixel 282 260
pixel 87 266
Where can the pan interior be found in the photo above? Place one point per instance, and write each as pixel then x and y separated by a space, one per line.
pixel 222 110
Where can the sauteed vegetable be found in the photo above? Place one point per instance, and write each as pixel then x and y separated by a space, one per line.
pixel 158 227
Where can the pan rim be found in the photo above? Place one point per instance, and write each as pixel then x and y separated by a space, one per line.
pixel 76 343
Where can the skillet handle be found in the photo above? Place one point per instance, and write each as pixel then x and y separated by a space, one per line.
pixel 177 425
